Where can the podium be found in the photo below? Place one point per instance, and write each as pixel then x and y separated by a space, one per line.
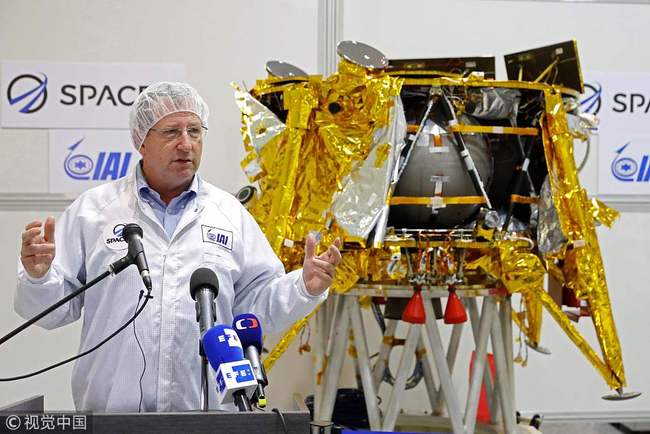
pixel 297 422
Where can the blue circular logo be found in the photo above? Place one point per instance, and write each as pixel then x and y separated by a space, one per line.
pixel 624 169
pixel 79 164
pixel 592 101
pixel 211 236
pixel 30 88
pixel 117 230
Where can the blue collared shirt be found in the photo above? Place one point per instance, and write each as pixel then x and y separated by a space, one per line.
pixel 167 215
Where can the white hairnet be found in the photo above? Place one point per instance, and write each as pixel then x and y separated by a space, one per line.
pixel 162 99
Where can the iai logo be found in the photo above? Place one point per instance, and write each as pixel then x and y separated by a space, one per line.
pixel 105 165
pixel 81 159
pixel 27 92
pixel 592 100
pixel 220 237
pixel 625 168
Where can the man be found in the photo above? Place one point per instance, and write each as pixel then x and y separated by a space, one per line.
pixel 187 224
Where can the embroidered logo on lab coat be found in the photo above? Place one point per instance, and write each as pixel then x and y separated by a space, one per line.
pixel 220 237
pixel 112 236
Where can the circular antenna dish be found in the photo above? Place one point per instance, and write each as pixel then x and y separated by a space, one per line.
pixel 280 69
pixel 362 54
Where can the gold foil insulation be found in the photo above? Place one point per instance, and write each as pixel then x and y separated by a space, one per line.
pixel 582 267
pixel 328 169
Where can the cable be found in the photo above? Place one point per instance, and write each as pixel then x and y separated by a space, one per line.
pixel 63 362
pixel 63 301
pixel 284 423
pixel 144 358
pixel 379 317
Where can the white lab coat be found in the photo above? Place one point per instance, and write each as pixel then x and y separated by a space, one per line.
pixel 214 232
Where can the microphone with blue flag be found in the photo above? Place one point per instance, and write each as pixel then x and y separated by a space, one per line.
pixel 249 330
pixel 235 379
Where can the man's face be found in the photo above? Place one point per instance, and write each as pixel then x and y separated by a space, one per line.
pixel 170 159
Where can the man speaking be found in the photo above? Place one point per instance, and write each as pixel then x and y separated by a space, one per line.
pixel 187 223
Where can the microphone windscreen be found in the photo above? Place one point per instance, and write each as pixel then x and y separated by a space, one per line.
pixel 131 229
pixel 249 330
pixel 221 345
pixel 203 278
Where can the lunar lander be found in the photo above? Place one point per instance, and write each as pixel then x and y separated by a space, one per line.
pixel 446 186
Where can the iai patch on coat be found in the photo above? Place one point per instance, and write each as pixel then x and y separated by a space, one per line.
pixel 220 237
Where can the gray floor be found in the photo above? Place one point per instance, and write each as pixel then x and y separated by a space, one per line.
pixel 419 423
pixel 578 428
pixel 589 428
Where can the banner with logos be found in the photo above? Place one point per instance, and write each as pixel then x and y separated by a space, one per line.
pixel 76 95
pixel 622 103
pixel 81 159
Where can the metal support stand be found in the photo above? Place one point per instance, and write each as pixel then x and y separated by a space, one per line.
pixel 490 326
pixel 335 353
pixel 205 392
pixel 453 409
pixel 408 356
pixel 384 352
pixel 480 359
pixel 363 359
pixel 452 353
pixel 490 391
pixel 503 382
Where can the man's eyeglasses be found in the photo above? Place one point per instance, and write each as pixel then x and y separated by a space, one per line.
pixel 194 132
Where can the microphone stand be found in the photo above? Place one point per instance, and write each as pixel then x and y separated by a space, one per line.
pixel 242 401
pixel 113 268
pixel 205 386
pixel 205 302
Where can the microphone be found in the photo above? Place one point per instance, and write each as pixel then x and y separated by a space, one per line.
pixel 249 330
pixel 132 234
pixel 204 288
pixel 235 379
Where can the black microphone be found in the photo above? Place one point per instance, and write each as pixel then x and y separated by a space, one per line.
pixel 204 288
pixel 132 234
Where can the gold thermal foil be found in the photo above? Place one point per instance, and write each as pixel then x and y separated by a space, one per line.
pixel 582 267
pixel 347 274
pixel 327 169
pixel 533 315
pixel 603 368
pixel 260 123
pixel 603 213
pixel 519 271
pixel 357 207
pixel 286 340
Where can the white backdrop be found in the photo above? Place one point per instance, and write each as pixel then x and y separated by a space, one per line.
pixel 224 41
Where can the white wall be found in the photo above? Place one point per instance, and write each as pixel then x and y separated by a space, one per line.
pixel 222 41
